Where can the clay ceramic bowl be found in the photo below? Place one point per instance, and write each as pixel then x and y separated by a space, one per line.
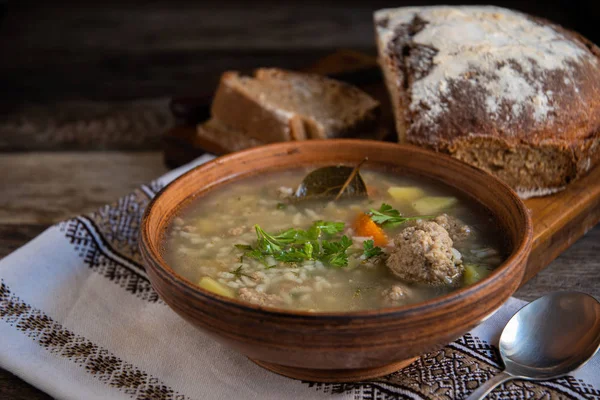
pixel 338 346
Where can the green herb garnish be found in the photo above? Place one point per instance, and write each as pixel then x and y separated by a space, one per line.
pixel 370 250
pixel 308 249
pixel 298 245
pixel 388 217
pixel 281 206
pixel 330 228
pixel 334 253
pixel 238 272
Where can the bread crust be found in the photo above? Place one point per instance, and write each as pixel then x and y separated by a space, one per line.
pixel 362 111
pixel 394 80
pixel 221 139
pixel 240 111
pixel 558 122
pixel 278 105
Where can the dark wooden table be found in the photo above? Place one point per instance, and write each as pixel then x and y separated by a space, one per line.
pixel 85 91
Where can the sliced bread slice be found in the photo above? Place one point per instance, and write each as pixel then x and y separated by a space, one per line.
pixel 278 105
pixel 217 138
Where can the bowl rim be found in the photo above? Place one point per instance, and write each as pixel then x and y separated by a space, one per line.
pixel 519 254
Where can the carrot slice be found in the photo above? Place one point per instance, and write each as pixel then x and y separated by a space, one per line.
pixel 364 226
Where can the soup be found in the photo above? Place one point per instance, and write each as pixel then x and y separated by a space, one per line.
pixel 403 240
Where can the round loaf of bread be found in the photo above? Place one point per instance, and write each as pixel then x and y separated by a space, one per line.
pixel 506 92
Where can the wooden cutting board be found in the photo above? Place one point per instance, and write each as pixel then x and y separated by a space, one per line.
pixel 558 220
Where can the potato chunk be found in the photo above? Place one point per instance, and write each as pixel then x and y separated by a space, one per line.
pixel 406 193
pixel 211 285
pixel 431 205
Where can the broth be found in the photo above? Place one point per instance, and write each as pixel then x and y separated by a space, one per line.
pixel 211 242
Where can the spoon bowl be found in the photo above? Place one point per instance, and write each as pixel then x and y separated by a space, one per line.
pixel 548 338
pixel 552 336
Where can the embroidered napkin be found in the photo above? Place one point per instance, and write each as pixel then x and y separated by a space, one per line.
pixel 80 320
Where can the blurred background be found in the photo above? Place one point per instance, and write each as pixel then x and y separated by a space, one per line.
pixel 117 50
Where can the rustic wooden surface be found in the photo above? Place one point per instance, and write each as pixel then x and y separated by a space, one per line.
pixel 85 88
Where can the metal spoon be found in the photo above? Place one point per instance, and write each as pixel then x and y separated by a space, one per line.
pixel 548 338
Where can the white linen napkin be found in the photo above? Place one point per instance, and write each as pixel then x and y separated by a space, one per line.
pixel 79 320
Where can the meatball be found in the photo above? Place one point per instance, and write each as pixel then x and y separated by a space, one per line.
pixel 259 298
pixel 423 253
pixel 395 295
pixel 456 229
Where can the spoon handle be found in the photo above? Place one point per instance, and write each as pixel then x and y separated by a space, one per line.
pixel 489 385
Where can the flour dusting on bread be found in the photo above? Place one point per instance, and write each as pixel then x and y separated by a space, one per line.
pixel 510 50
pixel 514 95
pixel 529 193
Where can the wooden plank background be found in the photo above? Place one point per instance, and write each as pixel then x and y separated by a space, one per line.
pixel 85 88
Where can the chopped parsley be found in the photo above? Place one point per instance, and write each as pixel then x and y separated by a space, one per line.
pixel 319 243
pixel 334 253
pixel 238 272
pixel 330 228
pixel 370 250
pixel 389 217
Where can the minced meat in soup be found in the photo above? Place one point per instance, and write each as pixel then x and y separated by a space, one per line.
pixel 409 240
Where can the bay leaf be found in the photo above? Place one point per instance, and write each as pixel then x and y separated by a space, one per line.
pixel 326 182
